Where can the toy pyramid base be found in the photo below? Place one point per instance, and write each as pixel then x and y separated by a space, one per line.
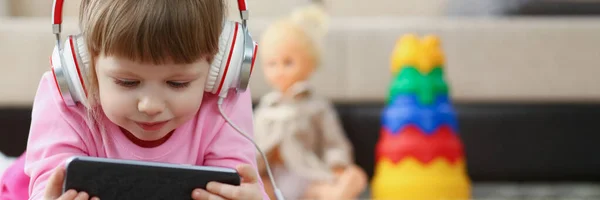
pixel 412 180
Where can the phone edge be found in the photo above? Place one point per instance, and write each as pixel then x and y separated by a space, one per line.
pixel 67 164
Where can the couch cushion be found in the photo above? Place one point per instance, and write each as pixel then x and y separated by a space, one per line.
pixel 503 142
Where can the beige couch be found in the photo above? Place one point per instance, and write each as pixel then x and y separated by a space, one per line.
pixel 270 8
pixel 488 59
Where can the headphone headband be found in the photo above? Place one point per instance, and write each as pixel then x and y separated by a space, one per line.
pixel 236 48
pixel 57 8
pixel 57 14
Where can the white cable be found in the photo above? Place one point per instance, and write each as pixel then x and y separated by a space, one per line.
pixel 278 194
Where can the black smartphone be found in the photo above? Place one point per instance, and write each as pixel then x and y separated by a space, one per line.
pixel 111 179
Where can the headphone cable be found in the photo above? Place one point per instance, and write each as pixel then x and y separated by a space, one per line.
pixel 278 194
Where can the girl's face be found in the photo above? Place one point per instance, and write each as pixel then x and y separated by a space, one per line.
pixel 150 100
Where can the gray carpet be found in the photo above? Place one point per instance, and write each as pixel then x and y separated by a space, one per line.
pixel 532 191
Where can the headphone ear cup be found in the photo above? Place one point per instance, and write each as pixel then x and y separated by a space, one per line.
pixel 82 53
pixel 61 79
pixel 215 66
pixel 69 66
pixel 82 57
pixel 227 60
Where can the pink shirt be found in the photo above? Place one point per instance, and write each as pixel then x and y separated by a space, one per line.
pixel 58 132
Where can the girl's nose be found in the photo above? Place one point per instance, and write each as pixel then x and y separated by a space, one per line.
pixel 151 106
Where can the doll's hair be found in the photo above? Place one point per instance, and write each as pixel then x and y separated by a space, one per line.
pixel 149 31
pixel 310 25
pixel 313 20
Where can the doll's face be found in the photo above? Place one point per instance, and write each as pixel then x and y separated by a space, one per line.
pixel 285 61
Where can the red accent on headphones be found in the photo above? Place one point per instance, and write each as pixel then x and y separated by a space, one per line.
pixel 57 11
pixel 253 58
pixel 242 5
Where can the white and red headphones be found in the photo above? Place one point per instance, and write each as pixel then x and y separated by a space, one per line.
pixel 230 69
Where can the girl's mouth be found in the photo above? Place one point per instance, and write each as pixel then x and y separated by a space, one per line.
pixel 151 126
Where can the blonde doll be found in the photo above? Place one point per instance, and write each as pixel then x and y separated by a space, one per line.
pixel 307 149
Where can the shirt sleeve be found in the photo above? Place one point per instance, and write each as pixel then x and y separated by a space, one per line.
pixel 228 147
pixel 337 147
pixel 53 137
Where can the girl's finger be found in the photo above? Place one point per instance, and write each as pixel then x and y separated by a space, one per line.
pixel 70 194
pixel 199 194
pixel 247 173
pixel 82 196
pixel 54 185
pixel 224 190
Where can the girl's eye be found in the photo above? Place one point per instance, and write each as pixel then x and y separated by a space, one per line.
pixel 127 83
pixel 178 84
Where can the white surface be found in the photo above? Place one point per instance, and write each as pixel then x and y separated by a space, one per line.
pixel 5 162
pixel 530 191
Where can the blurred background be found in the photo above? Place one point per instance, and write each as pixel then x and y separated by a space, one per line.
pixel 523 76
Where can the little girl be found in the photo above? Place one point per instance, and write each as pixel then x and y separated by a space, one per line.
pixel 144 67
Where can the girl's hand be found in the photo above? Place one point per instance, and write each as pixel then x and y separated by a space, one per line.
pixel 54 188
pixel 247 190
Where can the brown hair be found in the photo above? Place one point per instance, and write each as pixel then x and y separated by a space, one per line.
pixel 150 31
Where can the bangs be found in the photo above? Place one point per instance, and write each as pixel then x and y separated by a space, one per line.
pixel 153 31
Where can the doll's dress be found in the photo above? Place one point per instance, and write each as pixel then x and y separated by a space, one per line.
pixel 309 136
